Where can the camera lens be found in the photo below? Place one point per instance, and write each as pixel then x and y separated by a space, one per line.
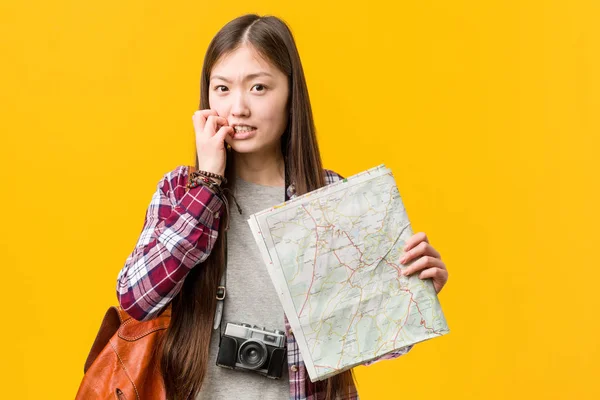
pixel 252 354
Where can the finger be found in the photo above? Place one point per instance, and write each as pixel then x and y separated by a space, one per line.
pixel 229 138
pixel 199 118
pixel 423 263
pixel 422 249
pixel 438 274
pixel 439 278
pixel 223 133
pixel 414 240
pixel 213 122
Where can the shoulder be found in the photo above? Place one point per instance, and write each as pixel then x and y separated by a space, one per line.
pixel 332 176
pixel 329 175
pixel 175 181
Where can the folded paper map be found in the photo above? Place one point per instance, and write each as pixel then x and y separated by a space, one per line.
pixel 333 256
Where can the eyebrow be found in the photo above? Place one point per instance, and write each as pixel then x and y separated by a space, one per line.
pixel 246 78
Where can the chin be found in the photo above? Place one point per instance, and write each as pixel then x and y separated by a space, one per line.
pixel 244 147
pixel 249 146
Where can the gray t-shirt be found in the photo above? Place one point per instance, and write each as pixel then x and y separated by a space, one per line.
pixel 250 299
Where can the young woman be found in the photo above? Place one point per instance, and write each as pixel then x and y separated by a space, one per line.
pixel 255 138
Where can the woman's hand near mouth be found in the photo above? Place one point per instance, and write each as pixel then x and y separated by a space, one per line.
pixel 211 134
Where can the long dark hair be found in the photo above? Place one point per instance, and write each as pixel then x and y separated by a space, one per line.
pixel 186 343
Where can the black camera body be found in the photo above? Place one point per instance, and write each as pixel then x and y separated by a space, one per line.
pixel 251 348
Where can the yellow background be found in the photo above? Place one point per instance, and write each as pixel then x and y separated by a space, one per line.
pixel 486 111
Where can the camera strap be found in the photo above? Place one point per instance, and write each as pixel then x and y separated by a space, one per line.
pixel 221 289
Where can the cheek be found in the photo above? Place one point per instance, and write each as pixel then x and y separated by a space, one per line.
pixel 276 113
pixel 218 105
pixel 277 122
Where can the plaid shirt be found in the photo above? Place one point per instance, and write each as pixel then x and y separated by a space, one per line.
pixel 180 230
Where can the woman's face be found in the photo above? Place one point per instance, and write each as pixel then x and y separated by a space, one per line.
pixel 251 94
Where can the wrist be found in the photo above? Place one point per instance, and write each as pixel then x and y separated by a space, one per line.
pixel 211 169
pixel 213 177
pixel 199 180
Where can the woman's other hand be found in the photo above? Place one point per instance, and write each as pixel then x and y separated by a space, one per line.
pixel 427 261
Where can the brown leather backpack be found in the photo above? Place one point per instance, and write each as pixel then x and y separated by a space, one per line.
pixel 123 362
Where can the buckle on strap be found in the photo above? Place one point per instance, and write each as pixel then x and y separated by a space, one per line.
pixel 221 292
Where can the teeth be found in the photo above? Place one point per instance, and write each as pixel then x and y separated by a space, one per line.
pixel 243 128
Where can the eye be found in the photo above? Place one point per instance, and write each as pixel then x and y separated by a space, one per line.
pixel 216 88
pixel 261 86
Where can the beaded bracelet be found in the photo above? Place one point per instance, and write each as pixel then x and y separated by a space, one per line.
pixel 196 181
pixel 210 175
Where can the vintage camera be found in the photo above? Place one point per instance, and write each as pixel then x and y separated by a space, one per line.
pixel 252 348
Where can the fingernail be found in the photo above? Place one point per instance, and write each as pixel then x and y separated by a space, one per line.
pixel 402 260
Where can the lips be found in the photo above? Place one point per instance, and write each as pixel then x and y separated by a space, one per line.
pixel 243 128
pixel 243 132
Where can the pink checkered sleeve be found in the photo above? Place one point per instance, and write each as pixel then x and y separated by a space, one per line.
pixel 179 232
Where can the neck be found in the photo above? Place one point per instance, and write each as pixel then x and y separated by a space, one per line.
pixel 265 168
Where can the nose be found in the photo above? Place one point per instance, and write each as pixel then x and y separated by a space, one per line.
pixel 239 106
